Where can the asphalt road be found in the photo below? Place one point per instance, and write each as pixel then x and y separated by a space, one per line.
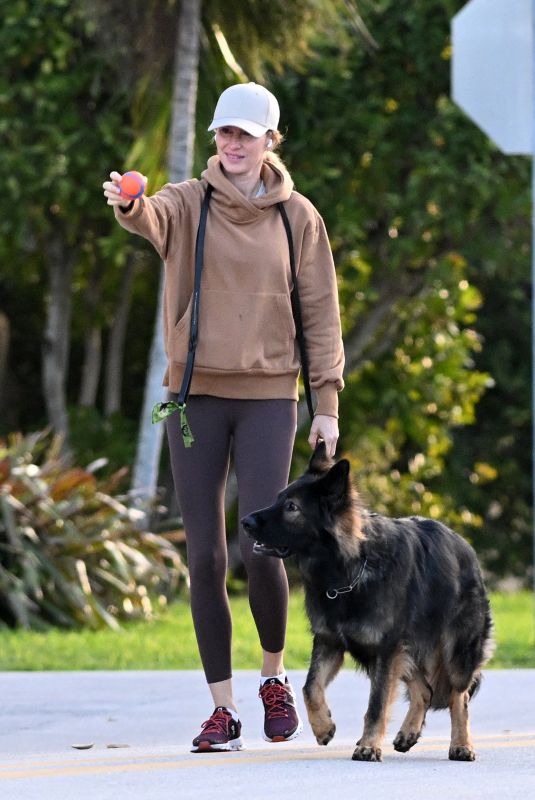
pixel 140 725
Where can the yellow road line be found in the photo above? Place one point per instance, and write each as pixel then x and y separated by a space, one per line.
pixel 194 761
pixel 431 743
pixel 111 755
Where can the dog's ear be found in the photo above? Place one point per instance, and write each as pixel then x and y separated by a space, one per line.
pixel 319 461
pixel 335 486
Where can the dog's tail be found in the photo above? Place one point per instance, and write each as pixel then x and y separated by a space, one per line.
pixel 489 642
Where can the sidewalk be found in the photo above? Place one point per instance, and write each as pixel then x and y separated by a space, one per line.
pixel 150 717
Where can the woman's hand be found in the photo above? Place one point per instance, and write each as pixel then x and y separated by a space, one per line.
pixel 112 191
pixel 326 428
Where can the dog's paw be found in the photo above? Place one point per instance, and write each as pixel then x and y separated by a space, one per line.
pixel 404 742
pixel 461 753
pixel 324 737
pixel 363 753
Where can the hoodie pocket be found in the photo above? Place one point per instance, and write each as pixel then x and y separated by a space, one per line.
pixel 178 343
pixel 238 331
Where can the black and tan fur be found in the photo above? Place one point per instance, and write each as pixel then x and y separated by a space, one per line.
pixel 419 612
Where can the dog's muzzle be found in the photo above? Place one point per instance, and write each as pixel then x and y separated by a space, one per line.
pixel 269 550
pixel 251 528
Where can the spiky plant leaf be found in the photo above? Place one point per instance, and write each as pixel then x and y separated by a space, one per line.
pixel 71 552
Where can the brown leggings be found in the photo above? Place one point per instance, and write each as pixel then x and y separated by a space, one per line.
pixel 260 435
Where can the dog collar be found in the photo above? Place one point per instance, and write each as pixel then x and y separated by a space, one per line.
pixel 332 594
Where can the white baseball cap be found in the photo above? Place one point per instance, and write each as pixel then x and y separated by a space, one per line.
pixel 248 106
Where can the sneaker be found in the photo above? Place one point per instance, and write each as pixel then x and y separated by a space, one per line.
pixel 281 721
pixel 220 732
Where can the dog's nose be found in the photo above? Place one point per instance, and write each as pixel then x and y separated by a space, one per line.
pixel 249 523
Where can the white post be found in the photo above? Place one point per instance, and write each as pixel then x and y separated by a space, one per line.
pixel 493 81
pixel 533 286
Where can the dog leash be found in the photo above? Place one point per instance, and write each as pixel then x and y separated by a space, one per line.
pixel 332 594
pixel 163 410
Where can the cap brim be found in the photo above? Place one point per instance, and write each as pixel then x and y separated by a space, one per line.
pixel 245 124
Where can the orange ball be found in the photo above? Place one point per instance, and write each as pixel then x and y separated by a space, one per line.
pixel 132 185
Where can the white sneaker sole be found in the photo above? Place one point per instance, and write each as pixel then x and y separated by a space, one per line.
pixel 235 744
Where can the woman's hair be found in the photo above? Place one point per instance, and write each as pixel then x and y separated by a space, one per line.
pixel 277 138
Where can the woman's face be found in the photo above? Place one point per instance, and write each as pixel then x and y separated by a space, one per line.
pixel 240 153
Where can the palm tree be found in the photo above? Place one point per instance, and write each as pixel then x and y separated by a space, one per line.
pixel 180 160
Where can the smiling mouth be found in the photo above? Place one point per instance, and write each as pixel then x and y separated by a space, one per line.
pixel 270 550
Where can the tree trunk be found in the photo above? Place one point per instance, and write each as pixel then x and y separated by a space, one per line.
pixel 180 159
pixel 91 369
pixel 182 139
pixel 92 341
pixel 149 444
pixel 60 265
pixel 117 337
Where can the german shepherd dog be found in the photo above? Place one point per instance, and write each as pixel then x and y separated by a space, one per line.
pixel 404 597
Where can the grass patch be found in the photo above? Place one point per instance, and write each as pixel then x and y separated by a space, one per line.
pixel 514 622
pixel 169 642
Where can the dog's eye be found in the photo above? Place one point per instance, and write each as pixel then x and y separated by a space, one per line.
pixel 290 506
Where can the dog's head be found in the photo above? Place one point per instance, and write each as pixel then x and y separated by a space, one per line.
pixel 318 510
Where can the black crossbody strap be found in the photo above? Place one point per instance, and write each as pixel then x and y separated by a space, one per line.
pixel 296 308
pixel 194 326
pixel 164 409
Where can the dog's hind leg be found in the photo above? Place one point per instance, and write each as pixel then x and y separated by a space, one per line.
pixel 420 694
pixel 461 748
pixel 385 675
pixel 327 658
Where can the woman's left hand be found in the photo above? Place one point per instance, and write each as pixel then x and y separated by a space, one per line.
pixel 326 428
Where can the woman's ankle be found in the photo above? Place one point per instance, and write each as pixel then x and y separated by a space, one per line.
pixel 222 695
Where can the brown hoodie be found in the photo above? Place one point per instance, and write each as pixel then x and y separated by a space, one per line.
pixel 246 347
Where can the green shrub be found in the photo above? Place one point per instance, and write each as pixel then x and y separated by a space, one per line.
pixel 92 435
pixel 71 552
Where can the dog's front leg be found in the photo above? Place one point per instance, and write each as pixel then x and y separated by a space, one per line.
pixel 461 748
pixel 326 660
pixel 384 678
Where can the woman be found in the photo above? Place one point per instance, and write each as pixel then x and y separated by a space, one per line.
pixel 244 388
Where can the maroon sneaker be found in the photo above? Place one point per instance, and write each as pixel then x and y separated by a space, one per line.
pixel 220 732
pixel 281 720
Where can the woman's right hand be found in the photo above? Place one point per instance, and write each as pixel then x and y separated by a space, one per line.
pixel 112 191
